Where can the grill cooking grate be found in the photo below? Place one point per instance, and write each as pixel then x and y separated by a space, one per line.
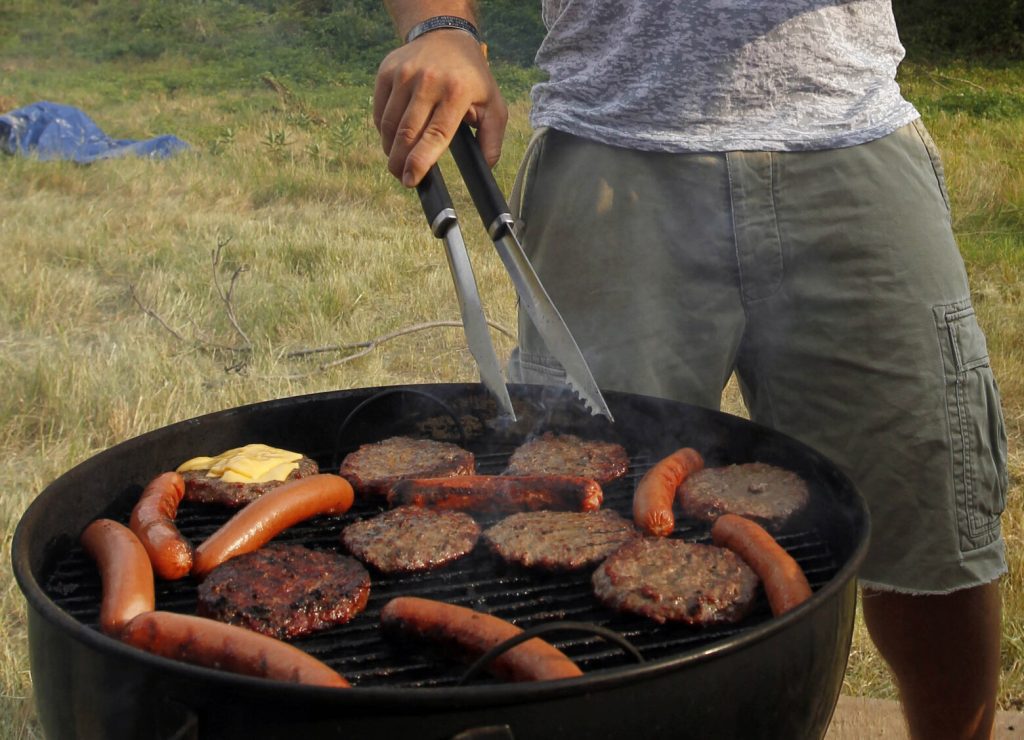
pixel 358 650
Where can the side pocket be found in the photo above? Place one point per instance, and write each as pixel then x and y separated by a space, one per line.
pixel 527 168
pixel 935 158
pixel 976 427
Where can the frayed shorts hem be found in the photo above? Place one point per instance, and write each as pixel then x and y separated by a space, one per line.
pixel 982 566
pixel 886 588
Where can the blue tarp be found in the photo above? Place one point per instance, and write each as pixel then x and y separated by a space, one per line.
pixel 54 131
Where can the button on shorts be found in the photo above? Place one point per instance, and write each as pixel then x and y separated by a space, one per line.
pixel 828 281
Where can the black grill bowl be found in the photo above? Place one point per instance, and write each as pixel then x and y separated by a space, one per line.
pixel 766 677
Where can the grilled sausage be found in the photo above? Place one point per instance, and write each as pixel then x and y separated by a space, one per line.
pixel 152 521
pixel 214 644
pixel 656 491
pixel 784 582
pixel 499 493
pixel 125 571
pixel 269 515
pixel 468 634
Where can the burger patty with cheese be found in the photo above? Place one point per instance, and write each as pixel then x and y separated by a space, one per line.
pixel 239 476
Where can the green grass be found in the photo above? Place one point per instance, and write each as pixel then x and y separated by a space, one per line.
pixel 287 177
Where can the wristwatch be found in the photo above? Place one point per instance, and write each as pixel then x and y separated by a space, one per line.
pixel 439 22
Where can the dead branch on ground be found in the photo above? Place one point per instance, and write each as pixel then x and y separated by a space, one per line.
pixel 935 75
pixel 226 295
pixel 366 347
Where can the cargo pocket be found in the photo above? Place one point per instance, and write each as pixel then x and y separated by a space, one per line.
pixel 977 431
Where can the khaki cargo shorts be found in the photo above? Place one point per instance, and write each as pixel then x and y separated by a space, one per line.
pixel 829 282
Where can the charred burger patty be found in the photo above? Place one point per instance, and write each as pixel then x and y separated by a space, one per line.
pixel 285 591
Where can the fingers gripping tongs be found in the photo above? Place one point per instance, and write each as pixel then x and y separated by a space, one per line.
pixel 494 211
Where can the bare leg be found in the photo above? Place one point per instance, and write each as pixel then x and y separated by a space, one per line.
pixel 944 653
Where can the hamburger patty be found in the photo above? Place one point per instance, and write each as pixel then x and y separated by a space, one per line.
pixel 765 493
pixel 285 591
pixel 559 540
pixel 672 580
pixel 210 490
pixel 372 468
pixel 567 454
pixel 411 538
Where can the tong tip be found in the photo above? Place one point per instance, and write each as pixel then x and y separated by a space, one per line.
pixel 596 406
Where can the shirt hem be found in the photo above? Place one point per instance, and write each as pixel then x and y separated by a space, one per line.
pixel 756 142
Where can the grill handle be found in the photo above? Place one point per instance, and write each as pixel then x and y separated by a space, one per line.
pixel 481 663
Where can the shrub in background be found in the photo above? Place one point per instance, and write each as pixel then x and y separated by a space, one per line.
pixel 977 28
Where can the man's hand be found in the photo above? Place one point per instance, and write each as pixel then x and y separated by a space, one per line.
pixel 424 90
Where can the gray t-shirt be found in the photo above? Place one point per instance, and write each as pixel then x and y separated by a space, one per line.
pixel 721 75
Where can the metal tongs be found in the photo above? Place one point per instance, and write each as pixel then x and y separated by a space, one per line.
pixel 494 211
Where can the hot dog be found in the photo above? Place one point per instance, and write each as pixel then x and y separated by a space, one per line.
pixel 656 491
pixel 213 644
pixel 152 521
pixel 468 634
pixel 125 571
pixel 269 515
pixel 495 494
pixel 784 582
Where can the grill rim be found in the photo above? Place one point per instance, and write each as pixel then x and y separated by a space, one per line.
pixel 410 698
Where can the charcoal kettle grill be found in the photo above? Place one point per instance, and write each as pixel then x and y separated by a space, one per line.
pixel 763 677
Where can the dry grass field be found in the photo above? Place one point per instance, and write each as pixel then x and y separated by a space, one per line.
pixel 137 293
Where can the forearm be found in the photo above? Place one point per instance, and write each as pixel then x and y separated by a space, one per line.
pixel 407 13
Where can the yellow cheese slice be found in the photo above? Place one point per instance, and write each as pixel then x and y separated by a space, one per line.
pixel 253 463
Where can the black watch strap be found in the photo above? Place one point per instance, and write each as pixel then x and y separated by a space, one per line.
pixel 439 22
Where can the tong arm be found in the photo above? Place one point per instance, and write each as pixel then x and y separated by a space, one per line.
pixel 487 196
pixel 436 202
pixel 534 299
pixel 444 224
